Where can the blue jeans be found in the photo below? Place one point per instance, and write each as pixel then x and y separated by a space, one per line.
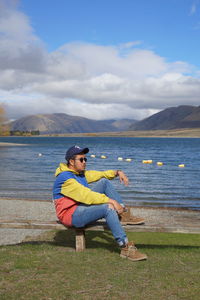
pixel 85 214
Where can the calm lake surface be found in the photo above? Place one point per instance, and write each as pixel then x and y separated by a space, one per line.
pixel 26 174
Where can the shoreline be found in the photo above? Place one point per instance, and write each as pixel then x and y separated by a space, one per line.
pixel 2 144
pixel 135 206
pixel 171 133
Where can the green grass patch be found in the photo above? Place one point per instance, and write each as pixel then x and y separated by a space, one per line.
pixel 49 268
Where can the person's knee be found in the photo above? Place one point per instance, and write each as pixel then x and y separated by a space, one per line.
pixel 106 184
pixel 111 211
pixel 104 180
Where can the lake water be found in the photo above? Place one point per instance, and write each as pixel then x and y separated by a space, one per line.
pixel 25 174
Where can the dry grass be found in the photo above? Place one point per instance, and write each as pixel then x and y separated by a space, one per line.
pixel 185 132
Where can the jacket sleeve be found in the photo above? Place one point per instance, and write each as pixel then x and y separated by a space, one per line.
pixel 92 176
pixel 73 189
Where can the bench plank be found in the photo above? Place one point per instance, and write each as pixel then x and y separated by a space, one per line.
pixel 100 225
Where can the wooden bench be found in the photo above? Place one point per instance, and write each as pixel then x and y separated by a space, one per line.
pixel 80 242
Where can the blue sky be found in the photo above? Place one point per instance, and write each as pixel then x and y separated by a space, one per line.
pixel 99 59
pixel 169 27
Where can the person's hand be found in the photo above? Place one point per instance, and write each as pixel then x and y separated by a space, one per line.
pixel 117 206
pixel 122 177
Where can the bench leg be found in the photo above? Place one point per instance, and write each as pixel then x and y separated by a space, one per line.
pixel 80 240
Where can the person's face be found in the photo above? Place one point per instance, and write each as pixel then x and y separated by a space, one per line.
pixel 78 164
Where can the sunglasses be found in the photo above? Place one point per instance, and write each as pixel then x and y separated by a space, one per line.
pixel 82 159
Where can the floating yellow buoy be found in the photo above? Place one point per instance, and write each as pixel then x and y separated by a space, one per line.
pixel 92 155
pixel 149 161
pixel 159 163
pixel 128 159
pixel 103 156
pixel 181 166
pixel 120 158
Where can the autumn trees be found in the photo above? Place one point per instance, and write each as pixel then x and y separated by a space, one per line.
pixel 4 128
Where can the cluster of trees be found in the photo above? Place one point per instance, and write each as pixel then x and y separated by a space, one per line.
pixel 5 130
pixel 24 133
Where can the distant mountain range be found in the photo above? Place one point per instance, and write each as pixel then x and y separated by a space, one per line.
pixel 183 116
pixel 62 123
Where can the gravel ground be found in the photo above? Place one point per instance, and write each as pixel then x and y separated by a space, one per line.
pixel 22 210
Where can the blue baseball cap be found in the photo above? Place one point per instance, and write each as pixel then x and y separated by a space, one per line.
pixel 74 150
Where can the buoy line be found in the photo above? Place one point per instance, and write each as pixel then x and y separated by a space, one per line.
pixel 145 161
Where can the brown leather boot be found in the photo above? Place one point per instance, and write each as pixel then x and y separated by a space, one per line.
pixel 130 252
pixel 127 219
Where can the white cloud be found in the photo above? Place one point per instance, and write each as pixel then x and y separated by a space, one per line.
pixel 20 49
pixel 94 81
pixel 98 111
pixel 193 7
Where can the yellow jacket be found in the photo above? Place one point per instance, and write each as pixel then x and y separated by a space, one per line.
pixel 71 184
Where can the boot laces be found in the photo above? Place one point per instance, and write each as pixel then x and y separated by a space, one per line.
pixel 132 247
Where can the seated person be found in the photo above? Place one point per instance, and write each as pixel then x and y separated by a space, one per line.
pixel 77 205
